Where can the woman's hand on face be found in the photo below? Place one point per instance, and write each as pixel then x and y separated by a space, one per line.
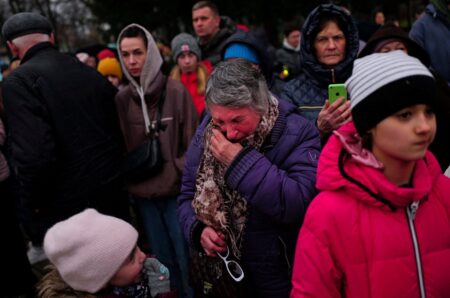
pixel 222 149
pixel 212 241
pixel 332 116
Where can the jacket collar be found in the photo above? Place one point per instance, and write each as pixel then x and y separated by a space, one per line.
pixel 366 183
pixel 35 49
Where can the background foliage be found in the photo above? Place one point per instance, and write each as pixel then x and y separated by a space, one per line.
pixel 79 23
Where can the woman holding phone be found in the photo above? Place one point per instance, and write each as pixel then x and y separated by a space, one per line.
pixel 380 226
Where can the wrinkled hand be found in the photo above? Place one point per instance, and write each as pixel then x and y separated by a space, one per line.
pixel 333 116
pixel 222 149
pixel 212 241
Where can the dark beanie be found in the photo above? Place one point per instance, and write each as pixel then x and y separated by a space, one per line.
pixel 25 23
pixel 383 84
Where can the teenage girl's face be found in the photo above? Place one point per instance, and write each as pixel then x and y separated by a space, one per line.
pixel 404 136
pixel 130 271
pixel 187 61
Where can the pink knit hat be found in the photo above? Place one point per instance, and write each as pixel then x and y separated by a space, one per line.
pixel 88 248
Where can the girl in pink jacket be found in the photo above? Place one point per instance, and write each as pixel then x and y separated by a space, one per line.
pixel 380 226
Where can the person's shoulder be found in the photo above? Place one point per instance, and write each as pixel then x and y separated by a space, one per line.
pixel 176 90
pixel 175 84
pixel 331 207
pixel 299 85
pixel 123 93
pixel 296 124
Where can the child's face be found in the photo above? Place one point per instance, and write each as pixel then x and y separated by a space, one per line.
pixel 130 271
pixel 404 136
pixel 187 61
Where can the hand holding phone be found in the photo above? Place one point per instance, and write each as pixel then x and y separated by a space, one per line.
pixel 336 91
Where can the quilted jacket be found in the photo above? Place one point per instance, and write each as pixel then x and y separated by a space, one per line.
pixel 309 89
pixel 278 184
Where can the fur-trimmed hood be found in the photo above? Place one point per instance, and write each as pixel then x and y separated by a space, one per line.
pixel 53 286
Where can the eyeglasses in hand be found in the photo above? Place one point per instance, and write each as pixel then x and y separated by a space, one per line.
pixel 233 268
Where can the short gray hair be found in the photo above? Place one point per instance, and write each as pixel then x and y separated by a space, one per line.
pixel 30 39
pixel 237 83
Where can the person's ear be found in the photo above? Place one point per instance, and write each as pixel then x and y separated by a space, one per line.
pixel 13 48
pixel 52 38
pixel 217 20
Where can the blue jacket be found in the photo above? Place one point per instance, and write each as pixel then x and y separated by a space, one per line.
pixel 432 32
pixel 309 89
pixel 278 183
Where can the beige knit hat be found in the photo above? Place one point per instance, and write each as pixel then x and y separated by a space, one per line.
pixel 88 248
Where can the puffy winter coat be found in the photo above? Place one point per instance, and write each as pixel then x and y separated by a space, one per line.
pixel 432 32
pixel 278 184
pixel 363 237
pixel 309 89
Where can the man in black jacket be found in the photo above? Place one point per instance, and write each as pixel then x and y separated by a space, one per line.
pixel 63 140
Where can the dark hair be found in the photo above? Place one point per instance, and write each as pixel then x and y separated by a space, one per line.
pixel 134 31
pixel 323 20
pixel 288 28
pixel 209 4
pixel 366 140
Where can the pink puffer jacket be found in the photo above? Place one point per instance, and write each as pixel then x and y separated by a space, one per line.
pixel 362 238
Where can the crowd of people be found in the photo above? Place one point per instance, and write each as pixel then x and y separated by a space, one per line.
pixel 233 172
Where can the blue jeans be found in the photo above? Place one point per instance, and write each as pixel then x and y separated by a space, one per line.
pixel 163 231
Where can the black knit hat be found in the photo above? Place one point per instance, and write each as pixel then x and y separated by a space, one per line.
pixel 383 84
pixel 25 23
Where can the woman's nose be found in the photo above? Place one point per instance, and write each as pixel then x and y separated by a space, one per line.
pixel 231 133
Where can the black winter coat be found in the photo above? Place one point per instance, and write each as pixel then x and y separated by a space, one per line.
pixel 63 137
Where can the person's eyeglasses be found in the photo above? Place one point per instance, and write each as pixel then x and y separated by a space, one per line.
pixel 233 268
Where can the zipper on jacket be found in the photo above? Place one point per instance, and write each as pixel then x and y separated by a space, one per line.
pixel 333 77
pixel 411 211
pixel 284 252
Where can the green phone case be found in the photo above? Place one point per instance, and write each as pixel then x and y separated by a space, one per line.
pixel 335 91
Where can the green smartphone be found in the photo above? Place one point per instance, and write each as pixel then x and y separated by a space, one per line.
pixel 336 91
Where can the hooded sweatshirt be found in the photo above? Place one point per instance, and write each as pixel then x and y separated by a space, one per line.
pixel 179 119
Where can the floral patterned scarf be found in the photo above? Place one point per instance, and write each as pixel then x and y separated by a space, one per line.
pixel 217 205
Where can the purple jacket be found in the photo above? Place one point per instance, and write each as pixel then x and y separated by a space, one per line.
pixel 278 183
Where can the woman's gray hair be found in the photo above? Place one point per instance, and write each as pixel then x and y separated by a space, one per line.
pixel 238 83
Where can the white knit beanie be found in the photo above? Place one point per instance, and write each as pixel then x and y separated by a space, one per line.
pixel 88 248
pixel 384 83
